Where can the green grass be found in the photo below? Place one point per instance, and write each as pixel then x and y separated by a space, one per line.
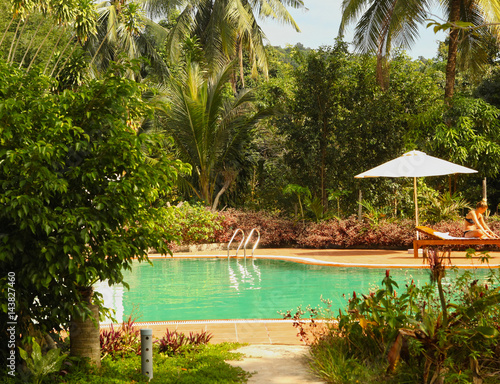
pixel 203 365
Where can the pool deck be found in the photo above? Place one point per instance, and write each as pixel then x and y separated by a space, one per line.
pixel 277 331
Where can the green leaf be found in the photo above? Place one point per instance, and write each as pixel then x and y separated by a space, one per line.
pixel 23 354
pixel 36 353
pixel 489 332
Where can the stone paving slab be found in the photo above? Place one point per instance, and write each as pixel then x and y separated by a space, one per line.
pixel 276 364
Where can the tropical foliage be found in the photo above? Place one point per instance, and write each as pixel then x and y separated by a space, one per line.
pixel 30 25
pixel 385 23
pixel 210 128
pixel 124 31
pixel 225 28
pixel 410 336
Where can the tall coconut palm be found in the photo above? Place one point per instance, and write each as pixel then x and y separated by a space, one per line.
pixel 210 129
pixel 225 28
pixel 383 23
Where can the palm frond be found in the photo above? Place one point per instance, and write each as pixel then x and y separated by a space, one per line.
pixel 184 27
pixel 160 8
pixel 351 11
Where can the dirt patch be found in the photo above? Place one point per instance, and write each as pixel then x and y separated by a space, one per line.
pixel 276 364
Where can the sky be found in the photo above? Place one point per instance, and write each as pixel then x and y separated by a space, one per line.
pixel 319 25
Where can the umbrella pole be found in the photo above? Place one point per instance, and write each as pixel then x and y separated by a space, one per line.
pixel 416 202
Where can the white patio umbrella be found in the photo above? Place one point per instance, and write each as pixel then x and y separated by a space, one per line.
pixel 415 164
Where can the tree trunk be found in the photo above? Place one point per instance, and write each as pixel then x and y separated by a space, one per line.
pixel 65 61
pixel 63 30
pixel 240 58
pixel 40 47
pixel 206 190
pixel 383 48
pixel 13 41
pixel 30 43
pixel 452 51
pixel 382 73
pixel 18 40
pixel 84 333
pixel 226 185
pixel 6 30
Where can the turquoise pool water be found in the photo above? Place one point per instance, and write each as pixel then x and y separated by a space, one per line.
pixel 202 289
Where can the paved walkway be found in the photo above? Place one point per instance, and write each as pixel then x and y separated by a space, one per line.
pixel 276 364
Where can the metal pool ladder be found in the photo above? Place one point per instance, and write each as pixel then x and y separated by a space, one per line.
pixel 248 239
pixel 241 242
pixel 232 238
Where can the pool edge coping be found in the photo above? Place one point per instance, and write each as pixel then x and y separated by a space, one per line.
pixel 218 321
pixel 309 261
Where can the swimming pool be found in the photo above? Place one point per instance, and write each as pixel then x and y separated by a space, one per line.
pixel 212 289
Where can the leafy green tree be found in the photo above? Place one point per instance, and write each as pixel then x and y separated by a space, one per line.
pixel 323 83
pixel 211 129
pixel 489 88
pixel 467 133
pixel 78 200
pixel 366 125
pixel 377 126
pixel 269 173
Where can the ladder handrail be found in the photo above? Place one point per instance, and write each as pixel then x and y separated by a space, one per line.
pixel 248 239
pixel 241 242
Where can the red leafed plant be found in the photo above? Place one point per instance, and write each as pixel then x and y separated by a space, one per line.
pixel 174 343
pixel 120 341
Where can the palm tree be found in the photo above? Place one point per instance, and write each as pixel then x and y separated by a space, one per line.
pixel 386 21
pixel 210 129
pixel 225 28
pixel 123 29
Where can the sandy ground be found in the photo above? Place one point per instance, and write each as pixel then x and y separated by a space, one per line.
pixel 276 364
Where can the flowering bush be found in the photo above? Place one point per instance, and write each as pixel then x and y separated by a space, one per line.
pixel 417 336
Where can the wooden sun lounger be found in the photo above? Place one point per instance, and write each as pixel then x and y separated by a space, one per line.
pixel 436 238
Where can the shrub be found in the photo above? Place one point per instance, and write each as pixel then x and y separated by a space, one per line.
pixel 275 230
pixel 40 365
pixel 352 233
pixel 197 224
pixel 174 343
pixel 121 341
pixel 193 224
